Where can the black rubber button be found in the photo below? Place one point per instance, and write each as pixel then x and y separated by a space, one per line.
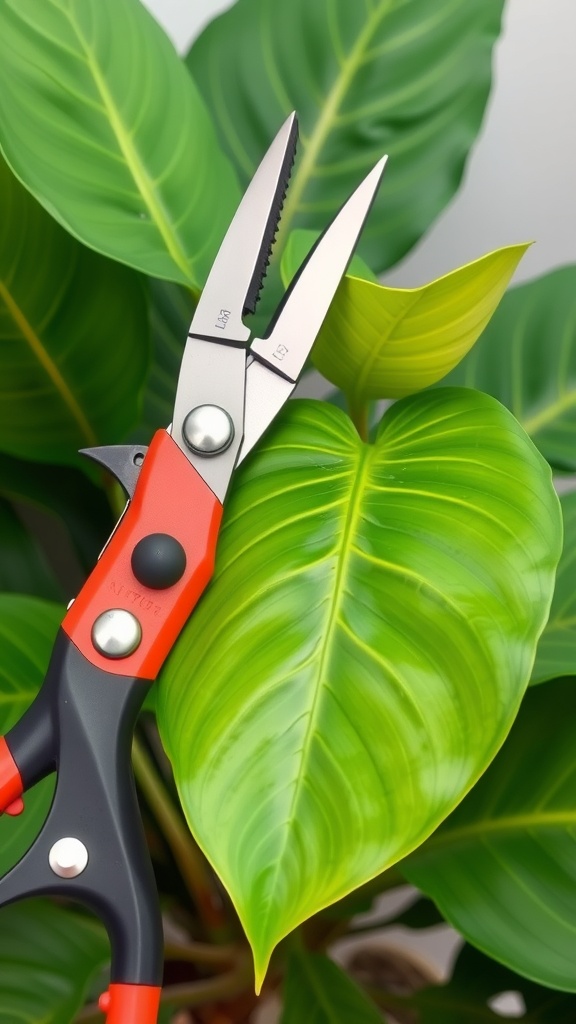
pixel 158 561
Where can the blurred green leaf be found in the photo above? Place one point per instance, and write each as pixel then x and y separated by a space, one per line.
pixel 101 122
pixel 28 628
pixel 502 868
pixel 556 653
pixel 398 76
pixel 65 492
pixel 364 648
pixel 421 914
pixel 379 342
pixel 527 359
pixel 476 982
pixel 48 956
pixel 74 346
pixel 171 310
pixel 23 566
pixel 317 991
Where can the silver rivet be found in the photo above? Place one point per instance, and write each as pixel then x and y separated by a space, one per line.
pixel 68 857
pixel 208 430
pixel 116 633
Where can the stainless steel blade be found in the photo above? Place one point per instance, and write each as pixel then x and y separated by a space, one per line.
pixel 235 275
pixel 302 311
pixel 280 357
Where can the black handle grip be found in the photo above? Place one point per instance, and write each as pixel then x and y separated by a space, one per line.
pixel 81 725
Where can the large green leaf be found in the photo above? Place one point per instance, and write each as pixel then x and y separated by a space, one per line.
pixel 502 869
pixel 23 566
pixel 28 628
pixel 379 342
pixel 556 654
pixel 317 991
pixel 101 122
pixel 64 492
pixel 400 76
pixel 476 984
pixel 48 956
pixel 171 309
pixel 364 648
pixel 74 344
pixel 527 359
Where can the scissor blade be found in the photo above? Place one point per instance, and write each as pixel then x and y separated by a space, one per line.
pixel 303 309
pixel 281 355
pixel 234 282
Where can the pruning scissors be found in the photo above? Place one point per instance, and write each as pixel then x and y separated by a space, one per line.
pixel 122 625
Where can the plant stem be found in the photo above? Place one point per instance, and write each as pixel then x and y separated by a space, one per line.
pixel 201 953
pixel 186 854
pixel 193 993
pixel 210 990
pixel 359 414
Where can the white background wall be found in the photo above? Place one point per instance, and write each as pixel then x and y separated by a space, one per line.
pixel 521 179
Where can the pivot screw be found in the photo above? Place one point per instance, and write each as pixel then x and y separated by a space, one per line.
pixel 68 857
pixel 158 561
pixel 208 430
pixel 116 633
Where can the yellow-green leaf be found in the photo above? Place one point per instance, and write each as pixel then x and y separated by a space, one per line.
pixel 379 342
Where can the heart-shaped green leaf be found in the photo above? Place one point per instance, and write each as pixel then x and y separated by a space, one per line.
pixel 73 335
pixel 379 342
pixel 387 76
pixel 48 956
pixel 101 122
pixel 64 492
pixel 527 359
pixel 317 991
pixel 27 631
pixel 502 869
pixel 364 648
pixel 556 654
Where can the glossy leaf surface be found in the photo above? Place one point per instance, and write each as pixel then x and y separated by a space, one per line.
pixel 388 76
pixel 527 359
pixel 363 650
pixel 502 868
pixel 556 654
pixel 28 629
pixel 48 956
pixel 317 991
pixel 379 342
pixel 23 566
pixel 100 120
pixel 73 336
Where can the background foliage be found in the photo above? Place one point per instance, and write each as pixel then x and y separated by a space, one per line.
pixel 374 619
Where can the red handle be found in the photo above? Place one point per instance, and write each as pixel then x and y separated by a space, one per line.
pixel 170 498
pixel 11 785
pixel 131 1004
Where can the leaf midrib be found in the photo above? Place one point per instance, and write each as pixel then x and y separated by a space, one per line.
pixel 135 166
pixel 353 509
pixel 551 412
pixel 48 364
pixel 327 115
